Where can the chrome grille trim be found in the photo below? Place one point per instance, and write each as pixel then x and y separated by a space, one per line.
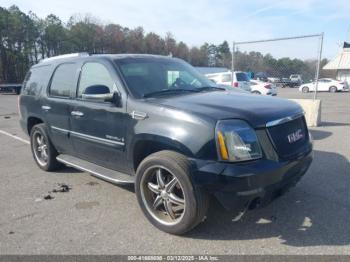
pixel 283 120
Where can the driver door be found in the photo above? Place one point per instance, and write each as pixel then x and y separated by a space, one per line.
pixel 98 127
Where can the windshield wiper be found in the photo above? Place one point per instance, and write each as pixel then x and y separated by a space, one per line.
pixel 165 91
pixel 209 88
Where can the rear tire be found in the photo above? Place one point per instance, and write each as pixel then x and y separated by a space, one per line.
pixel 43 151
pixel 188 203
pixel 333 89
pixel 305 89
pixel 256 92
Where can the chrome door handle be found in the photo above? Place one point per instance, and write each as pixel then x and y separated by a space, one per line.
pixel 138 115
pixel 46 108
pixel 77 113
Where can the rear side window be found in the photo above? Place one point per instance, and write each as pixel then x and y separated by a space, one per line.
pixel 64 80
pixel 36 79
pixel 242 77
pixel 94 74
pixel 226 78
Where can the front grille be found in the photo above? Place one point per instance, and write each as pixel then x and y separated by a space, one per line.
pixel 290 138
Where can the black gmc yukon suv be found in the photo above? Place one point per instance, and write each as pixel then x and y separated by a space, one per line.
pixel 156 122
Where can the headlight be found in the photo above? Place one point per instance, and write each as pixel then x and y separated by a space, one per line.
pixel 236 141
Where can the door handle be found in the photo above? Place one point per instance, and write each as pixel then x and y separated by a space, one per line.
pixel 77 113
pixel 138 115
pixel 46 108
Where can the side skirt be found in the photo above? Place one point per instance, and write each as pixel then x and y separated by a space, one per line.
pixel 96 170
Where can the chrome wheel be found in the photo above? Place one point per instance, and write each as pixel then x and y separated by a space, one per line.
pixel 163 195
pixel 40 148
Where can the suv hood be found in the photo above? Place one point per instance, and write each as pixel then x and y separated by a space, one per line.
pixel 256 110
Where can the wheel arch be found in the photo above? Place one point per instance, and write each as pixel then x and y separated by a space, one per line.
pixel 333 86
pixel 32 121
pixel 306 87
pixel 145 145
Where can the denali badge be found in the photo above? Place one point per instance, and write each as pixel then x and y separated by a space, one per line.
pixel 295 136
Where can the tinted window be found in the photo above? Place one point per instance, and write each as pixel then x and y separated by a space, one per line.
pixel 242 77
pixel 145 76
pixel 94 74
pixel 226 78
pixel 64 80
pixel 36 79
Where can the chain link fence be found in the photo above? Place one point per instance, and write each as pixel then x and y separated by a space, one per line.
pixel 283 62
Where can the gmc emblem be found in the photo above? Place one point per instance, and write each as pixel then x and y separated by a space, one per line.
pixel 295 136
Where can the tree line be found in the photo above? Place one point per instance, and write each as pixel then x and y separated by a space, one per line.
pixel 282 67
pixel 27 38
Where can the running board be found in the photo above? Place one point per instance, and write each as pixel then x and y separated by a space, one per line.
pixel 96 170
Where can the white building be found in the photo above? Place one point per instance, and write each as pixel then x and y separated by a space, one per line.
pixel 341 63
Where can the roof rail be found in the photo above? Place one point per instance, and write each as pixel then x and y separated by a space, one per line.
pixel 64 56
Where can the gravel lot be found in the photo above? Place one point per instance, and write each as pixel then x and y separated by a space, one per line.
pixel 96 217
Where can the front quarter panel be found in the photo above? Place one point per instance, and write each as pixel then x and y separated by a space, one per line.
pixel 191 135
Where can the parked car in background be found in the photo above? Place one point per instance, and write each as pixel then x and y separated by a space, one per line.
pixel 240 79
pixel 296 79
pixel 286 82
pixel 261 76
pixel 325 85
pixel 11 88
pixel 233 89
pixel 263 88
pixel 274 79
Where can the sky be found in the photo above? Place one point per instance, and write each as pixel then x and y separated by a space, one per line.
pixel 199 21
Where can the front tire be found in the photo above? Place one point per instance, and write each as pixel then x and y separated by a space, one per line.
pixel 43 151
pixel 167 195
pixel 305 89
pixel 256 92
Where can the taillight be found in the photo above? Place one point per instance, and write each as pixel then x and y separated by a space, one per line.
pixel 235 84
pixel 268 86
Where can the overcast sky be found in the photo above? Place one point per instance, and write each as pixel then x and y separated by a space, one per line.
pixel 199 21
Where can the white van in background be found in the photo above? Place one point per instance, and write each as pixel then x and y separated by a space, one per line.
pixel 240 79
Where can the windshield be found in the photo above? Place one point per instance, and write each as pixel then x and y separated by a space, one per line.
pixel 147 76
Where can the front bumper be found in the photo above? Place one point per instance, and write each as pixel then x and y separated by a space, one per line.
pixel 250 184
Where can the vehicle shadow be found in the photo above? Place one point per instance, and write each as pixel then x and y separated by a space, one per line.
pixel 334 124
pixel 319 134
pixel 68 169
pixel 314 213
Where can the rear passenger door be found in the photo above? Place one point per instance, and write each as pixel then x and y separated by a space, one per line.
pixel 57 105
pixel 226 79
pixel 98 127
